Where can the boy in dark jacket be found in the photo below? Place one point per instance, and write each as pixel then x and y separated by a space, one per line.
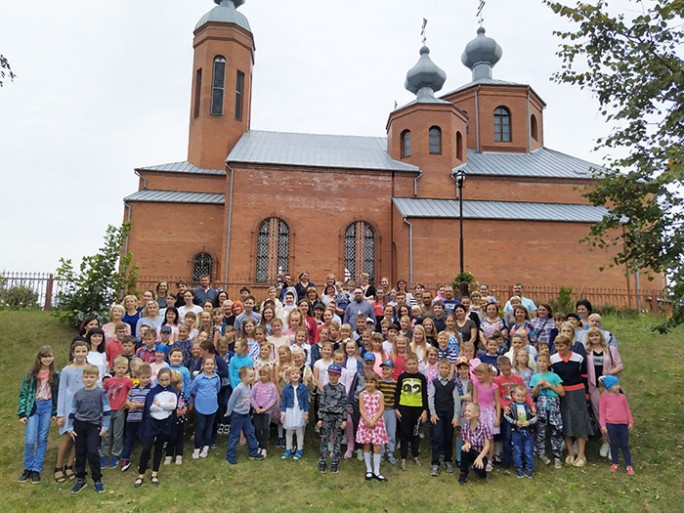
pixel 521 417
pixel 332 413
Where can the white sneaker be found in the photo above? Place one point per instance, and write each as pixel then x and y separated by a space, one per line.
pixel 167 460
pixel 179 460
pixel 605 449
pixel 359 454
pixel 196 454
pixel 544 459
pixel 489 467
pixel 205 452
pixel 264 453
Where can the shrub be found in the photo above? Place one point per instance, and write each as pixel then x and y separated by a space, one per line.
pixel 459 279
pixel 564 301
pixel 18 297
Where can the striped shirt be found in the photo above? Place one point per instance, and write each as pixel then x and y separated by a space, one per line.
pixel 137 395
pixel 388 389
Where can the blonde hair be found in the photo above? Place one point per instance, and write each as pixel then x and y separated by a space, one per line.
pixel 90 370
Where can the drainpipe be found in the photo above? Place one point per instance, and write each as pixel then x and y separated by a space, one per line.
pixel 529 121
pixel 128 218
pixel 477 118
pixel 410 251
pixel 415 182
pixel 229 222
pixel 144 180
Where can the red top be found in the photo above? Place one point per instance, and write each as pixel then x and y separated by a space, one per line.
pixel 506 386
pixel 117 391
pixel 614 409
pixel 113 349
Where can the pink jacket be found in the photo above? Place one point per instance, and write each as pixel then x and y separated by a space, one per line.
pixel 611 362
pixel 614 409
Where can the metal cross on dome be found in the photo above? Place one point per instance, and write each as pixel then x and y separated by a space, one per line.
pixel 422 31
pixel 480 19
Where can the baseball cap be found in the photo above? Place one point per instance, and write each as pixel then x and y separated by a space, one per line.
pixel 369 357
pixel 334 367
pixel 387 363
pixel 165 329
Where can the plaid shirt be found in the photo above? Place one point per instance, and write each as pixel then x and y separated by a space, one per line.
pixel 146 355
pixel 450 353
pixel 477 436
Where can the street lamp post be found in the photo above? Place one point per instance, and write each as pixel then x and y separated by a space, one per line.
pixel 460 179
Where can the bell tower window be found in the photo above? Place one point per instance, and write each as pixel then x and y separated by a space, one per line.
pixel 218 86
pixel 502 124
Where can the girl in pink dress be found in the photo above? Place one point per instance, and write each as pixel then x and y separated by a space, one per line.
pixel 371 430
pixel 486 395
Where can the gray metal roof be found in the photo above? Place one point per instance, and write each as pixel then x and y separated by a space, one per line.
pixel 315 150
pixel 206 198
pixel 484 81
pixel 182 167
pixel 225 12
pixel 544 163
pixel 502 210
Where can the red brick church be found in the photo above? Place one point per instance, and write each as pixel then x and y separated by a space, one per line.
pixel 249 204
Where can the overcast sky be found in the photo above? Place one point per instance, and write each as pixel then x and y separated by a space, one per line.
pixel 104 87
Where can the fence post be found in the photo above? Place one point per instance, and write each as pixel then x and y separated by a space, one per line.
pixel 48 292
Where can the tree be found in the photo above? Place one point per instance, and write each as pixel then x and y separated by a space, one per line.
pixel 5 70
pixel 631 61
pixel 102 279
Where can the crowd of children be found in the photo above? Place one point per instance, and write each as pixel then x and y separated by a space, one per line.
pixel 413 371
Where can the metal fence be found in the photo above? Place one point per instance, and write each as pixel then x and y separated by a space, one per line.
pixel 45 285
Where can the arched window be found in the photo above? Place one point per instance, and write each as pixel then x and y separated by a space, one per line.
pixel 406 143
pixel 459 146
pixel 273 249
pixel 359 250
pixel 239 90
pixel 533 127
pixel 502 124
pixel 435 141
pixel 218 86
pixel 202 263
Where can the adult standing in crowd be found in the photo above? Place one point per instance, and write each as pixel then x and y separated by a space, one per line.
pixel 526 301
pixel 367 287
pixel 162 290
pixel 205 292
pixel 132 314
pixel 449 300
pixel 302 285
pixel 189 305
pixel 359 305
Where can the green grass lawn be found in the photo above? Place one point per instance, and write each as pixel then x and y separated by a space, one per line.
pixel 652 379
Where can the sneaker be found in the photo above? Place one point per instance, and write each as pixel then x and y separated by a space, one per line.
pixel 287 454
pixel 35 477
pixel 196 454
pixel 79 485
pixel 220 430
pixel 434 470
pixel 403 464
pixel 630 470
pixel 359 454
pixel 334 469
pixel 280 442
pixel 614 467
pixel 168 460
pixel 603 451
pixel 258 456
pixel 179 460
pixel 297 455
pixel 519 473
pixel 204 452
pixel 322 468
pixel 462 479
pixel 417 461
pixel 125 465
pixel 579 462
pixel 99 487
pixel 489 467
pixel 392 460
pixel 569 459
pixel 264 452
pixel 232 462
pixel 448 467
pixel 104 462
pixel 544 459
pixel 114 462
pixel 497 459
pixel 529 473
pixel 25 476
pixel 557 463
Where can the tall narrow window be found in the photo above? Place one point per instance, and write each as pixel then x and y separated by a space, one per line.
pixel 273 249
pixel 198 91
pixel 435 141
pixel 239 87
pixel 406 143
pixel 359 250
pixel 202 264
pixel 218 86
pixel 502 125
pixel 459 146
pixel 533 127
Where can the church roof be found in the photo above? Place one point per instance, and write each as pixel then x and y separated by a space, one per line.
pixel 484 81
pixel 501 210
pixel 181 167
pixel 207 198
pixel 316 150
pixel 541 163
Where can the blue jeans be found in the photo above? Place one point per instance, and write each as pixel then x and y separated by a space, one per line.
pixel 390 418
pixel 523 449
pixel 36 435
pixel 240 422
pixel 618 435
pixel 131 436
pixel 507 449
pixel 204 424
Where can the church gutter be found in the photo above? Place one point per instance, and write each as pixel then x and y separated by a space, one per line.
pixel 477 118
pixel 529 122
pixel 410 251
pixel 128 218
pixel 144 180
pixel 229 222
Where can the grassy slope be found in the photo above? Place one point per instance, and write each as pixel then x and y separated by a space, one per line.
pixel 652 379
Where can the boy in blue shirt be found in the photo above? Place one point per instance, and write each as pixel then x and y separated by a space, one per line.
pixel 238 408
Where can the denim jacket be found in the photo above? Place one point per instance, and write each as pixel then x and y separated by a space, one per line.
pixel 287 400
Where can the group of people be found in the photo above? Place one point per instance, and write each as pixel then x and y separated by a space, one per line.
pixel 369 365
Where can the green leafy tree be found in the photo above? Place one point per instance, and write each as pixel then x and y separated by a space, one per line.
pixel 631 61
pixel 5 70
pixel 101 280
